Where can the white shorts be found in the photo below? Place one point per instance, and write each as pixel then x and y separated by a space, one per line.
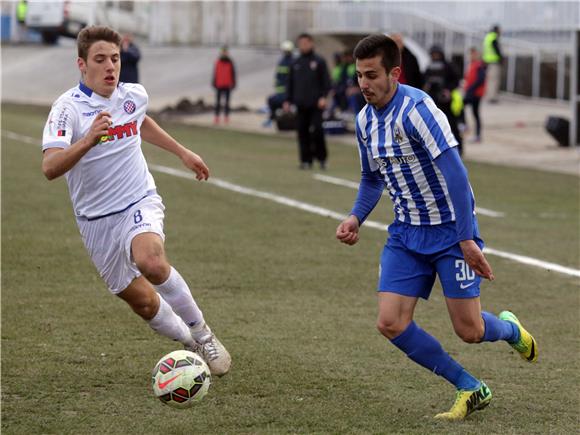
pixel 108 240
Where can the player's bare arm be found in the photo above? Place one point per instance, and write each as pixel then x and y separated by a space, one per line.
pixel 475 259
pixel 58 161
pixel 347 231
pixel 151 132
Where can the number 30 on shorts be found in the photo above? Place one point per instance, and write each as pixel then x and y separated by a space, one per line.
pixel 137 217
pixel 465 273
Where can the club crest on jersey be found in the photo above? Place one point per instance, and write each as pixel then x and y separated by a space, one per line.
pixel 129 106
pixel 397 134
pixel 120 131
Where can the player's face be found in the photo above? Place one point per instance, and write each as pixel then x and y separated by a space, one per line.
pixel 101 69
pixel 376 85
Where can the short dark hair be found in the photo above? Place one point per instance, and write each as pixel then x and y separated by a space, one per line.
pixel 305 35
pixel 379 44
pixel 89 35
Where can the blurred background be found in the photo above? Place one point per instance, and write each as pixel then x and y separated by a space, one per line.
pixel 538 41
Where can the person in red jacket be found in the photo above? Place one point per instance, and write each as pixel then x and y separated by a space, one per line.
pixel 224 81
pixel 474 88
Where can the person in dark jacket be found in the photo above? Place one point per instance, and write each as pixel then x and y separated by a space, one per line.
pixel 224 81
pixel 474 88
pixel 440 81
pixel 308 85
pixel 410 72
pixel 130 56
pixel 276 100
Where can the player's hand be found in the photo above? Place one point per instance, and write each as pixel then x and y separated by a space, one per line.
pixel 99 128
pixel 347 231
pixel 322 103
pixel 196 164
pixel 286 106
pixel 475 259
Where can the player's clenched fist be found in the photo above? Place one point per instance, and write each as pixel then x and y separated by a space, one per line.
pixel 99 128
pixel 347 231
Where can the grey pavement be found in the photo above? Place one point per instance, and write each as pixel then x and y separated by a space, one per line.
pixel 39 74
pixel 513 133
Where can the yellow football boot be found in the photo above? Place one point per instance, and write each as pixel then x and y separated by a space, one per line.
pixel 526 346
pixel 467 402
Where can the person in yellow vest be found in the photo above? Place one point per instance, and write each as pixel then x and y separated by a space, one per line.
pixel 493 59
pixel 21 11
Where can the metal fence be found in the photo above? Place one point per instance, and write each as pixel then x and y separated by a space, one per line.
pixel 537 41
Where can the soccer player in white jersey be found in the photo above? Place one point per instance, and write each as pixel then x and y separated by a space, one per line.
pixel 405 143
pixel 93 137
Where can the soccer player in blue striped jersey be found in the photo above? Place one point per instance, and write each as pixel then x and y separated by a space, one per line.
pixel 405 143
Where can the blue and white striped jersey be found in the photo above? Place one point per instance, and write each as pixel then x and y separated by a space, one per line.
pixel 401 140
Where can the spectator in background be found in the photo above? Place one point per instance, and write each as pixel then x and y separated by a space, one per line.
pixel 338 76
pixel 224 81
pixel 130 56
pixel 474 88
pixel 354 96
pixel 276 100
pixel 440 81
pixel 21 11
pixel 410 72
pixel 308 85
pixel 493 58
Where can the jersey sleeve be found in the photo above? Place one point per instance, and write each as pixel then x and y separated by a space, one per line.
pixel 367 163
pixel 429 126
pixel 137 94
pixel 58 130
pixel 455 174
pixel 371 184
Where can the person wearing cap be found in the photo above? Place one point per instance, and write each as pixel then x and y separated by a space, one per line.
pixel 276 100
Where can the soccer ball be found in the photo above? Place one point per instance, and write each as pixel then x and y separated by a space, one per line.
pixel 180 379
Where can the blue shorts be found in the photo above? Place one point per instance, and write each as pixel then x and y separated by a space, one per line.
pixel 413 256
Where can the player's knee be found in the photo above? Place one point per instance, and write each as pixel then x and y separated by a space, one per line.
pixel 470 333
pixel 146 307
pixel 155 268
pixel 390 328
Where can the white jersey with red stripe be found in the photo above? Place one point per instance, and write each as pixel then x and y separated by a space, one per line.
pixel 113 174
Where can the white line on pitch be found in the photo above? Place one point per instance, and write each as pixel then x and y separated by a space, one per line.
pixel 322 211
pixel 265 195
pixel 339 216
pixel 22 138
pixel 347 183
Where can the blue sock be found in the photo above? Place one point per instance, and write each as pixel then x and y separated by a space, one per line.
pixel 497 329
pixel 426 351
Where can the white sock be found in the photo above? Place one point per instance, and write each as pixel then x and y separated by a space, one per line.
pixel 167 323
pixel 177 294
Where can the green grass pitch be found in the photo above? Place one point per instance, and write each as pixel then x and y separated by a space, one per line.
pixel 294 307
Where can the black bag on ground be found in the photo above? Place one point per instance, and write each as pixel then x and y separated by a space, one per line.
pixel 559 129
pixel 285 121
